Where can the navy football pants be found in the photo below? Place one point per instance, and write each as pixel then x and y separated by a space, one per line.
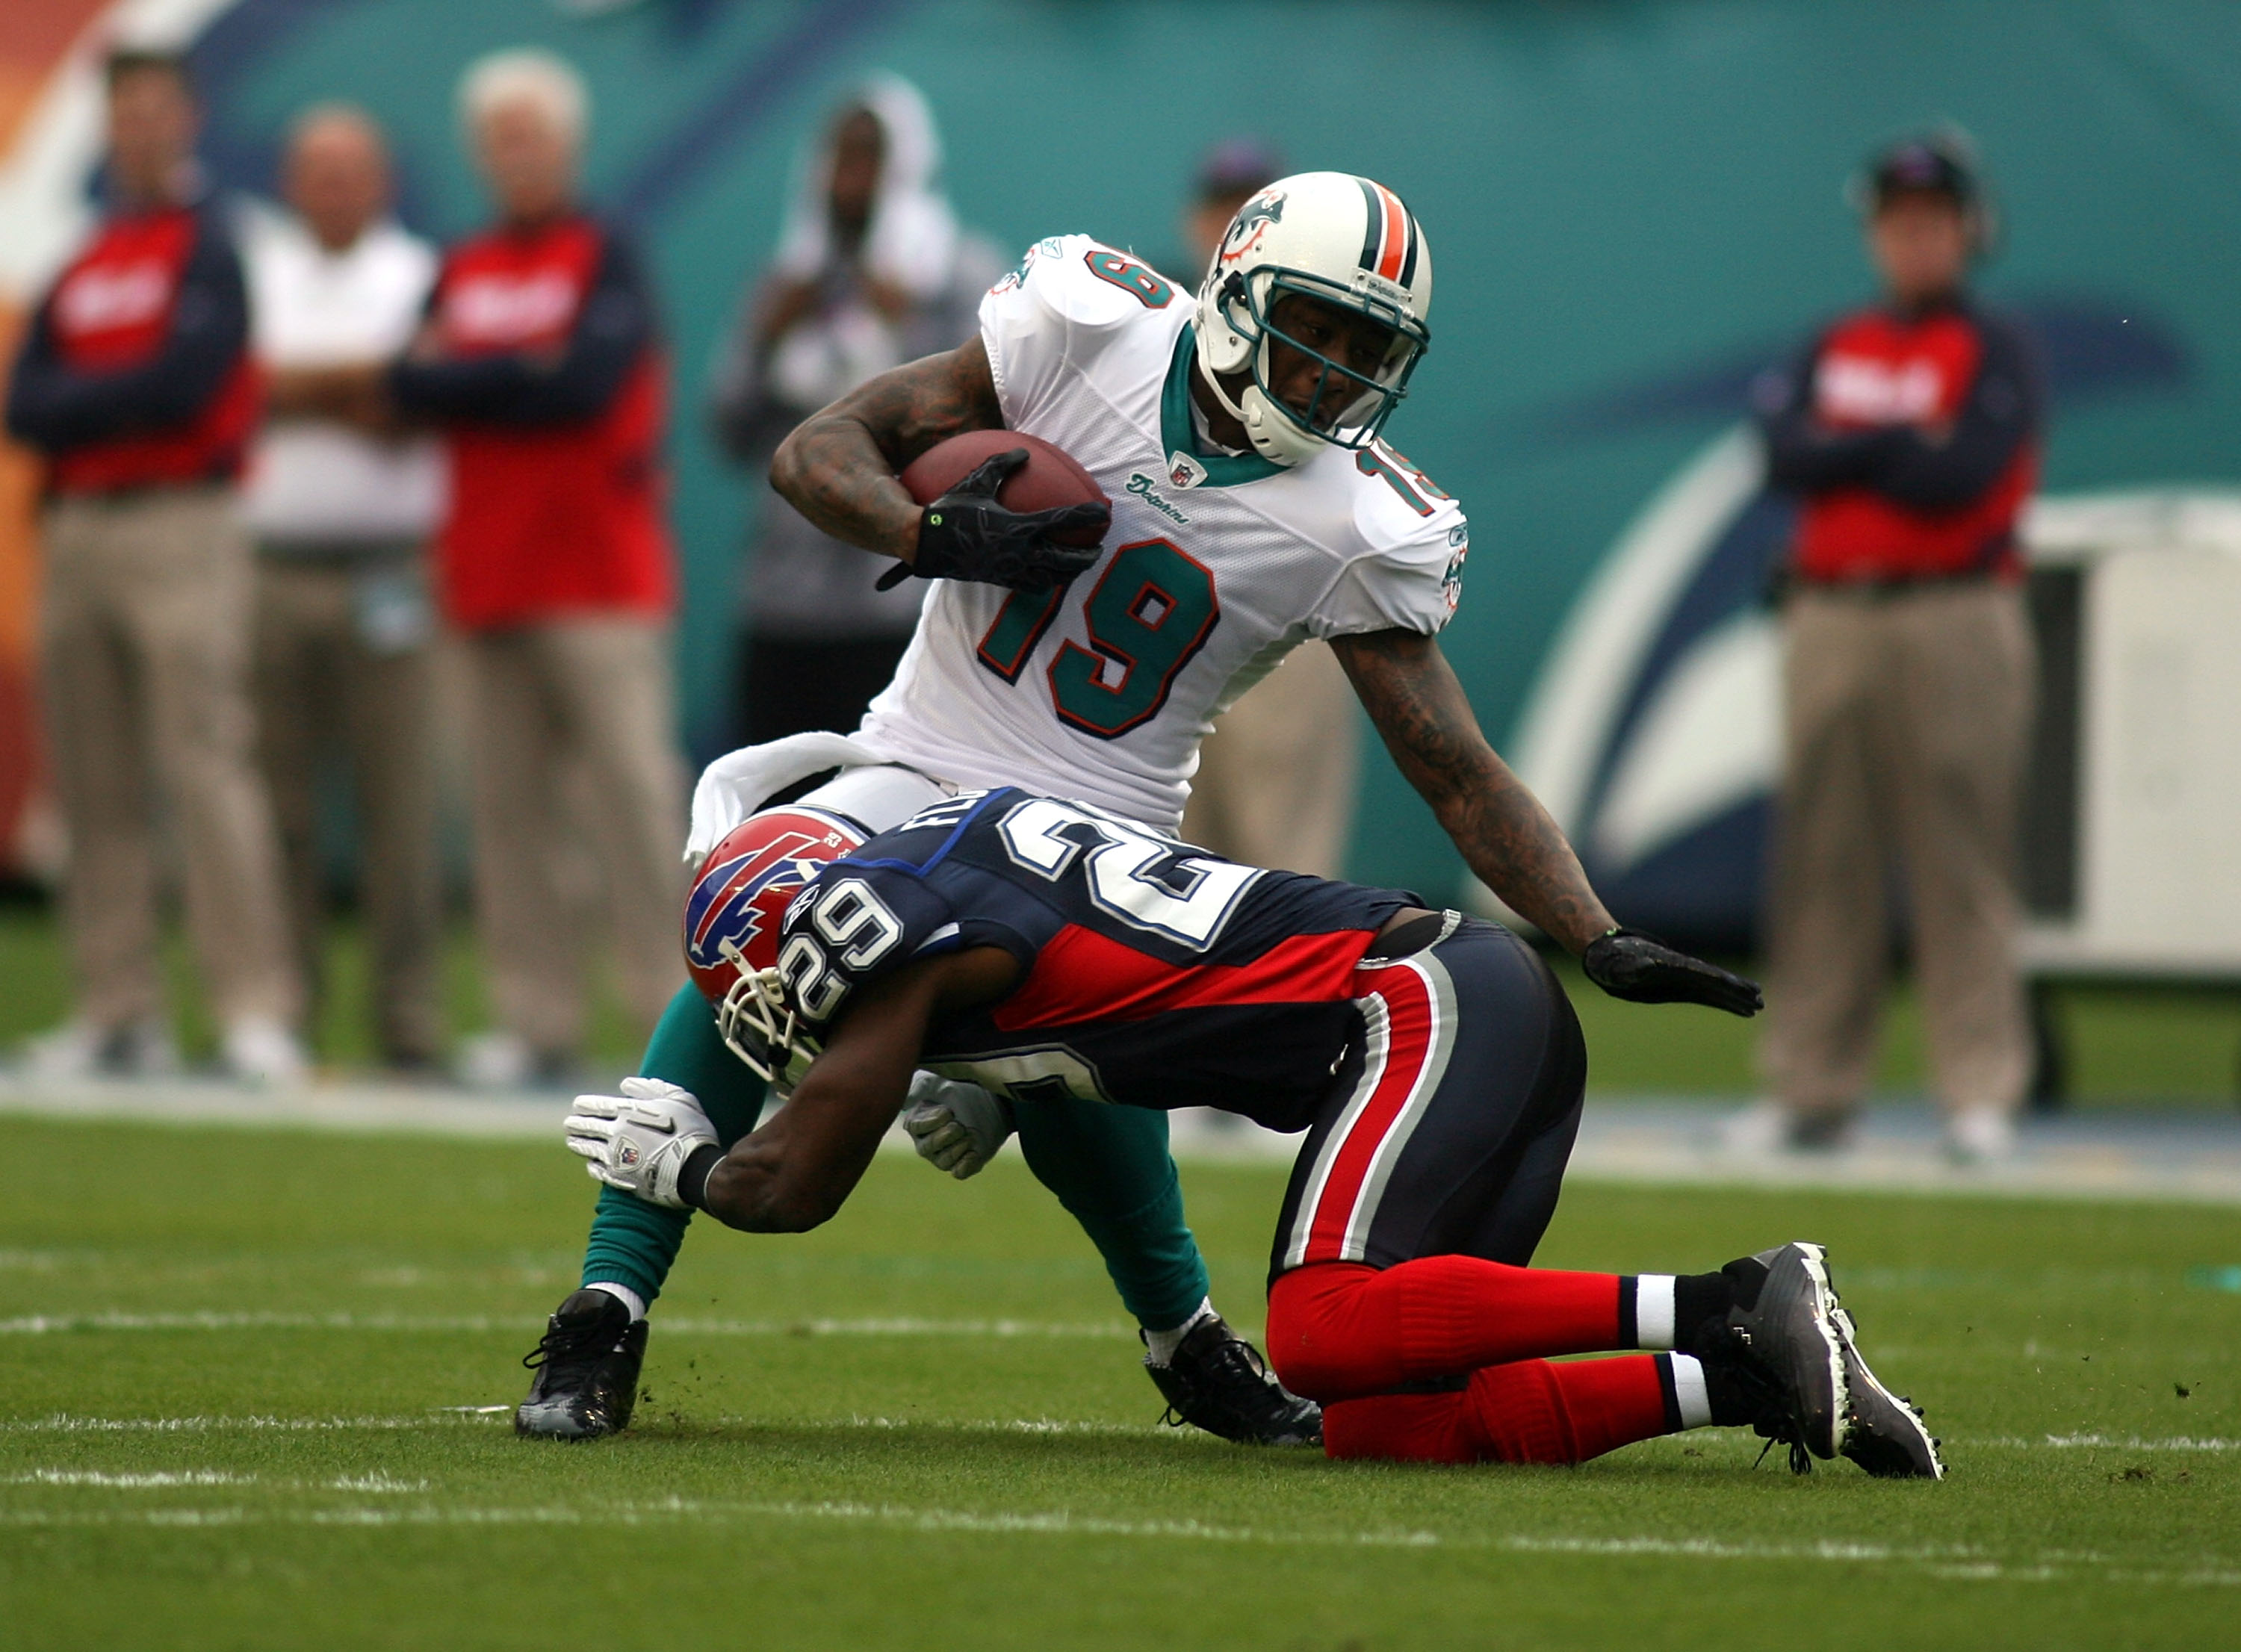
pixel 1448 1127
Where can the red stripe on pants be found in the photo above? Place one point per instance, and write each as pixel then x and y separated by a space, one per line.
pixel 1528 1412
pixel 1406 998
pixel 1338 1330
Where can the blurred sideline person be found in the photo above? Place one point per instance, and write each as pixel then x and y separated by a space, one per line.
pixel 135 382
pixel 1910 432
pixel 1276 779
pixel 541 362
pixel 341 514
pixel 873 270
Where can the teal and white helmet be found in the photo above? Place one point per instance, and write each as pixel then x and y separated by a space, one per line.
pixel 1347 241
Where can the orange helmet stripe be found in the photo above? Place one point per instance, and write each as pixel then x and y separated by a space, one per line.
pixel 1395 236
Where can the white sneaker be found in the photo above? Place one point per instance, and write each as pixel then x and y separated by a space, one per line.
pixel 77 1049
pixel 1758 1130
pixel 257 1049
pixel 495 1061
pixel 1980 1136
pixel 1768 1127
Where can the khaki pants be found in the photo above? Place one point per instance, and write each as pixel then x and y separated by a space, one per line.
pixel 1907 722
pixel 570 716
pixel 145 631
pixel 1275 781
pixel 332 681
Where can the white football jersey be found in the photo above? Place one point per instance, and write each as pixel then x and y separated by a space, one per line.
pixel 1216 565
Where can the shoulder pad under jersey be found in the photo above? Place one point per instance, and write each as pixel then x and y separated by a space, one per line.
pixel 1410 541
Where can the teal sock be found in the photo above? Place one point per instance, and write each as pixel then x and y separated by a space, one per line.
pixel 1110 1169
pixel 633 1242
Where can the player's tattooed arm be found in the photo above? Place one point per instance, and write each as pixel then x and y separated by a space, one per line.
pixel 1508 839
pixel 839 466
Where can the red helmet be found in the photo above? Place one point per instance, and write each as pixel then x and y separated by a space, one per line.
pixel 731 918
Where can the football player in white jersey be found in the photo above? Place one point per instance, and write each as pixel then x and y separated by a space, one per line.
pixel 1255 504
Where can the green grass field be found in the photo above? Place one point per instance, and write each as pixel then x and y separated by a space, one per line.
pixel 238 1373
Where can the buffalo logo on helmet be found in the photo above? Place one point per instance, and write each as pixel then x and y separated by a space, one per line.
pixel 1251 223
pixel 749 881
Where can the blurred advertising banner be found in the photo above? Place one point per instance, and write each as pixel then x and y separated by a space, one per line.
pixel 1632 210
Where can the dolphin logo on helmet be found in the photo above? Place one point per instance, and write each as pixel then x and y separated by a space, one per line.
pixel 1251 223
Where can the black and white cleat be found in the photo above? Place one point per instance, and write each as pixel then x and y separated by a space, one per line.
pixel 1779 1344
pixel 1883 1432
pixel 1217 1381
pixel 586 1364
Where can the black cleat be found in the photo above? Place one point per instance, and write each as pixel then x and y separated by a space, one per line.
pixel 1883 1432
pixel 587 1366
pixel 1217 1381
pixel 1779 1351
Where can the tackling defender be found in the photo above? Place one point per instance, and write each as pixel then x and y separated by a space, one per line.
pixel 1255 504
pixel 1042 950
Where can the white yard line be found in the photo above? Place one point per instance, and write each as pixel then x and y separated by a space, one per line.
pixel 61 1423
pixel 2102 1441
pixel 450 1417
pixel 53 1324
pixel 1105 1330
pixel 131 1482
pixel 1955 1564
pixel 377 1482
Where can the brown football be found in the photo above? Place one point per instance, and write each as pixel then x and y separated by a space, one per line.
pixel 1048 480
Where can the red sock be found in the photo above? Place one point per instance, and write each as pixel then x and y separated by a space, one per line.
pixel 1530 1411
pixel 1339 1329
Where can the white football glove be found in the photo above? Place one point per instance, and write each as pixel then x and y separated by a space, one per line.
pixel 955 1126
pixel 639 1141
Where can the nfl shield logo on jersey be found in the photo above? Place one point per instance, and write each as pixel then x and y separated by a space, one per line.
pixel 1183 470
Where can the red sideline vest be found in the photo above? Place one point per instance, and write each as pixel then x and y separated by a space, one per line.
pixel 1878 369
pixel 112 310
pixel 547 520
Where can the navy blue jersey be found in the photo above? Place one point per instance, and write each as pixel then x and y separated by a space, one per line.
pixel 1153 974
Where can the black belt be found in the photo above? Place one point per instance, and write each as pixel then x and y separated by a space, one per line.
pixel 1882 588
pixel 131 492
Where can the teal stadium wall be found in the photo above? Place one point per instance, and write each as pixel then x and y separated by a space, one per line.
pixel 1630 205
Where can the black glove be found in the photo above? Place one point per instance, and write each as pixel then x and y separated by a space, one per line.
pixel 965 534
pixel 1642 970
